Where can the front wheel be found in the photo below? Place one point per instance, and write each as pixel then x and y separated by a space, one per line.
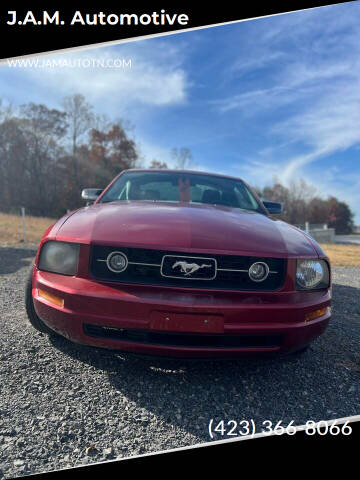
pixel 35 321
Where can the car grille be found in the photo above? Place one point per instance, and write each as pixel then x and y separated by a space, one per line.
pixel 153 267
pixel 184 339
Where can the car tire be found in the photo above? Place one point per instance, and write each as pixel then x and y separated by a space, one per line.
pixel 35 321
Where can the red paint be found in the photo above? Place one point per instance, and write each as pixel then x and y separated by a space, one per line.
pixel 190 229
pixel 185 227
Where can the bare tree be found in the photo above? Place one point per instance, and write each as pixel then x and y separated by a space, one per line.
pixel 158 164
pixel 6 111
pixel 295 199
pixel 80 118
pixel 183 159
pixel 40 130
pixel 102 122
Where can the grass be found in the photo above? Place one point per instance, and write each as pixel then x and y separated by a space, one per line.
pixel 343 255
pixel 11 228
pixel 11 234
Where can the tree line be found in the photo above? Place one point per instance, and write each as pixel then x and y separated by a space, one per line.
pixel 302 203
pixel 48 155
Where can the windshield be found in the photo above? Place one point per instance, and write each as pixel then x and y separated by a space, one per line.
pixel 182 187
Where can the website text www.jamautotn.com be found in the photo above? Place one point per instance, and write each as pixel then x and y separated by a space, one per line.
pixel 244 428
pixel 70 63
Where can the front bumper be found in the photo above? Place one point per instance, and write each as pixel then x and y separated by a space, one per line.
pixel 179 322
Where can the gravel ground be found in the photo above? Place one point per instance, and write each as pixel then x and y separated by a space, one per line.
pixel 65 405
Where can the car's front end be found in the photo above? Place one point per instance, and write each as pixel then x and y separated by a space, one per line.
pixel 182 281
pixel 174 321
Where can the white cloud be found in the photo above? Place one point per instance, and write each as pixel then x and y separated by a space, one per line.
pixel 330 125
pixel 255 62
pixel 149 151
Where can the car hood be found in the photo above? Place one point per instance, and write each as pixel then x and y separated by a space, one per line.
pixel 184 227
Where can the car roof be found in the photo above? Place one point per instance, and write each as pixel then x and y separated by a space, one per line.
pixel 174 170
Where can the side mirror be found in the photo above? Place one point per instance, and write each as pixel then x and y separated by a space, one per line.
pixel 273 207
pixel 90 194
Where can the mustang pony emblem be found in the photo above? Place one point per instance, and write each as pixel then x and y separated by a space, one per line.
pixel 189 268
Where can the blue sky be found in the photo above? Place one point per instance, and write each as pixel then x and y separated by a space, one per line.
pixel 278 96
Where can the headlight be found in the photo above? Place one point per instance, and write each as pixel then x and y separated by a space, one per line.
pixel 59 257
pixel 312 274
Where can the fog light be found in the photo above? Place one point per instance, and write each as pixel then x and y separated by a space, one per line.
pixel 51 298
pixel 117 262
pixel 315 314
pixel 258 271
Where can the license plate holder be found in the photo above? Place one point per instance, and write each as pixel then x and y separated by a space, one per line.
pixel 186 322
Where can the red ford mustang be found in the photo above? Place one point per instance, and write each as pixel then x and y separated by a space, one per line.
pixel 180 263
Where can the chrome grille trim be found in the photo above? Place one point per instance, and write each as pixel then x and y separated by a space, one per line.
pixel 187 256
